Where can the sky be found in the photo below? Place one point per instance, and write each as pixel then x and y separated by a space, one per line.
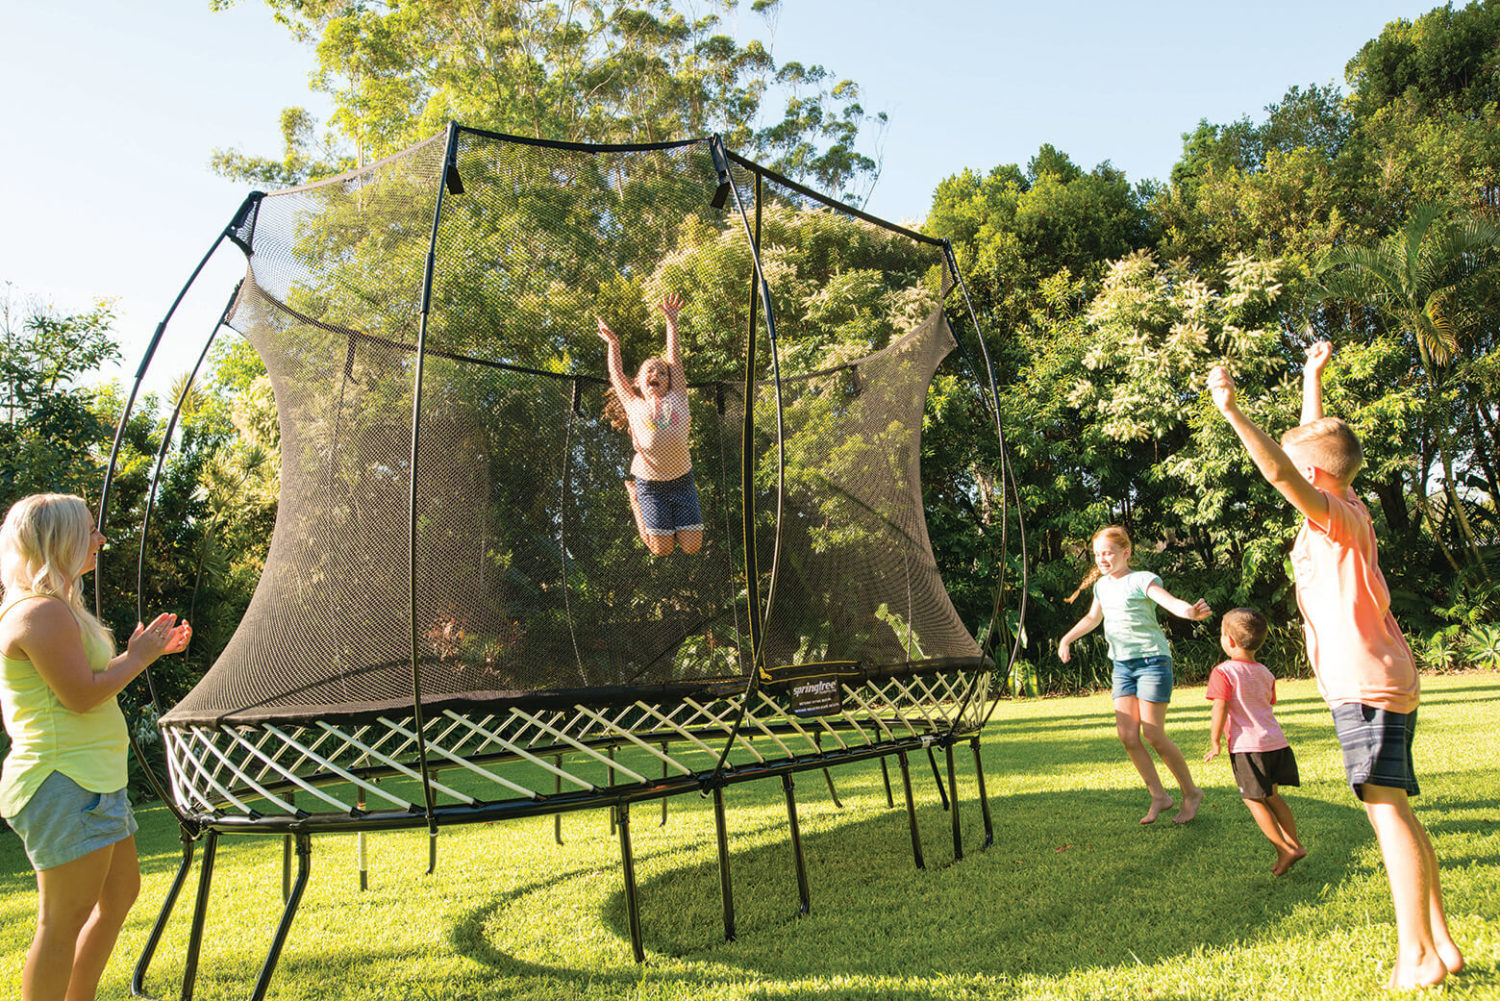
pixel 113 108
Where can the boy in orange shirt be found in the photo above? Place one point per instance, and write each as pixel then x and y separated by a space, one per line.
pixel 1364 668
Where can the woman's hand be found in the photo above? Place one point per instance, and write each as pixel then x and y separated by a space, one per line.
pixel 1221 388
pixel 163 636
pixel 1198 611
pixel 610 337
pixel 1064 654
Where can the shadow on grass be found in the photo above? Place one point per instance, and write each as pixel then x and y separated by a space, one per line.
pixel 1071 882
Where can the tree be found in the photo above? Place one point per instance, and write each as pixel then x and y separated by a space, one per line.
pixel 1422 281
pixel 581 71
pixel 52 430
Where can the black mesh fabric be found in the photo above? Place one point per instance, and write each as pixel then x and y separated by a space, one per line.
pixel 531 581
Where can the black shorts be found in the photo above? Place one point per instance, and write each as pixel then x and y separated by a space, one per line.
pixel 1377 747
pixel 1258 773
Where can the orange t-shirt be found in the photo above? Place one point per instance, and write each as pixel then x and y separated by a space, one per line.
pixel 1357 651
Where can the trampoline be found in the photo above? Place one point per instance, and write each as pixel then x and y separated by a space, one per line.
pixel 457 622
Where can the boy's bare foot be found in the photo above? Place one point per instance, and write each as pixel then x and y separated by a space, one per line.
pixel 1451 957
pixel 1412 976
pixel 1285 860
pixel 1190 804
pixel 1157 806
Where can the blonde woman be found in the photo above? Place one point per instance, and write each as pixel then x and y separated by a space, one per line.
pixel 62 787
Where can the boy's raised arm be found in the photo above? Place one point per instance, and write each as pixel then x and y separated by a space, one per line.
pixel 1269 458
pixel 1312 381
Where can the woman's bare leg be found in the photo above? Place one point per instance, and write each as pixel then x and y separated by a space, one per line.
pixel 66 898
pixel 1154 730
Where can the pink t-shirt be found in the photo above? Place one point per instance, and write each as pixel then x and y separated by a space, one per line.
pixel 1357 651
pixel 1250 690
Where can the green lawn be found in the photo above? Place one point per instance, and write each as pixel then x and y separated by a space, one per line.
pixel 1074 900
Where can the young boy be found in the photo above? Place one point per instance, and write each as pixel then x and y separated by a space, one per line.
pixel 1364 668
pixel 1243 692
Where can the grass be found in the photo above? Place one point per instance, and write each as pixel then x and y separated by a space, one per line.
pixel 1073 901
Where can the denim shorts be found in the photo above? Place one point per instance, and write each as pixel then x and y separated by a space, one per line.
pixel 669 506
pixel 1376 746
pixel 1147 678
pixel 63 821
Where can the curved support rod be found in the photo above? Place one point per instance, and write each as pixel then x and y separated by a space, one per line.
pixel 240 215
pixel 148 952
pixel 758 622
pixel 828 774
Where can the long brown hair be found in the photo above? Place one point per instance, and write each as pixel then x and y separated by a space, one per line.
pixel 1115 534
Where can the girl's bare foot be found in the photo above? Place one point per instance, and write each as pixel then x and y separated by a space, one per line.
pixel 1190 803
pixel 1451 957
pixel 1411 976
pixel 1285 860
pixel 1157 806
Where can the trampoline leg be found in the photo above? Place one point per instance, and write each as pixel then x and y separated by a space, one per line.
pixel 911 811
pixel 726 891
pixel 361 848
pixel 827 775
pixel 620 818
pixel 984 799
pixel 804 898
pixel 138 979
pixel 885 775
pixel 663 822
pixel 304 859
pixel 286 868
pixel 557 788
pixel 937 777
pixel 432 836
pixel 200 914
pixel 958 834
pixel 609 780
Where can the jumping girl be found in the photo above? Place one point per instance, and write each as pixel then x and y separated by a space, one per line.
pixel 663 496
pixel 62 787
pixel 1142 679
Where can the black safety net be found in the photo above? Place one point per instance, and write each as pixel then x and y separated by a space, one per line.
pixel 531 579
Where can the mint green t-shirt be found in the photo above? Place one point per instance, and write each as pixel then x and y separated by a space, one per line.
pixel 47 737
pixel 1130 625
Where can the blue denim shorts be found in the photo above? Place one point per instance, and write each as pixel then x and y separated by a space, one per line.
pixel 1147 678
pixel 669 506
pixel 1376 746
pixel 63 821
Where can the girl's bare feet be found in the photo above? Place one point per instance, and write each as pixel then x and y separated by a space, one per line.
pixel 1190 803
pixel 1157 806
pixel 1285 860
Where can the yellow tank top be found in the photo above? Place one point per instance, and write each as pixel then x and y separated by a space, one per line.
pixel 47 737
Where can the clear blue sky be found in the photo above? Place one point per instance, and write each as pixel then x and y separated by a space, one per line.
pixel 113 107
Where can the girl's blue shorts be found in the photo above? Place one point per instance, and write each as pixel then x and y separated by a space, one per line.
pixel 669 506
pixel 63 821
pixel 1147 678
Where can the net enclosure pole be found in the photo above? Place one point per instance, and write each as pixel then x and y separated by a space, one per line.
pixel 758 616
pixel 450 171
pixel 241 215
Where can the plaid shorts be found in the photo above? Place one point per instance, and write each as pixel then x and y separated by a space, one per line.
pixel 1377 747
